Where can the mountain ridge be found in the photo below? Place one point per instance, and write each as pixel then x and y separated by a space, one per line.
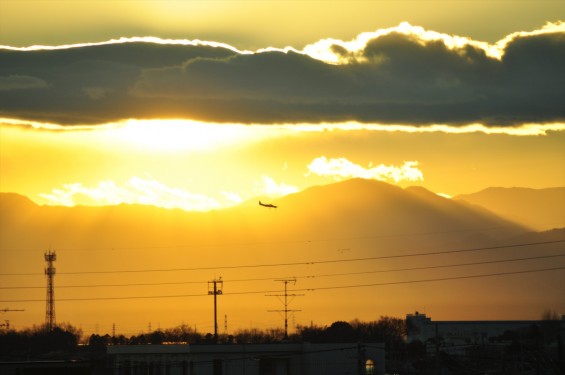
pixel 538 209
pixel 351 233
pixel 351 208
pixel 348 195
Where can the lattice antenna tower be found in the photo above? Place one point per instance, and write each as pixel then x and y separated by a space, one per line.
pixel 286 302
pixel 50 257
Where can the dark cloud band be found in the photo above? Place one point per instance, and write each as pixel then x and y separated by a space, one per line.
pixel 395 78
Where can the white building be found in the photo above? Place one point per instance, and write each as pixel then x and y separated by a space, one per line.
pixel 248 359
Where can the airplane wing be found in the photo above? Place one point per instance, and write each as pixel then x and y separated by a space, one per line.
pixel 269 205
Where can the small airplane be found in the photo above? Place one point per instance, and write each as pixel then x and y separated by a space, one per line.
pixel 269 205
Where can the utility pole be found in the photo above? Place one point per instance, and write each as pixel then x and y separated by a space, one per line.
pixel 50 257
pixel 214 288
pixel 286 302
pixel 7 324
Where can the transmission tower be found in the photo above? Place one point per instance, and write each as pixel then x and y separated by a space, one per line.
pixel 50 257
pixel 286 302
pixel 214 288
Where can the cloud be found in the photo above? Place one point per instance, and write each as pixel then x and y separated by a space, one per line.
pixel 232 198
pixel 138 190
pixel 403 75
pixel 267 186
pixel 341 168
pixel 135 191
pixel 229 132
pixel 96 93
pixel 21 82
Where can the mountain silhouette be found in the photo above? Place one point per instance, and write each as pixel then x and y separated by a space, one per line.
pixel 538 209
pixel 355 209
pixel 370 232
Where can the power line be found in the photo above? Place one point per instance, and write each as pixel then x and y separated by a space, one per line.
pixel 299 263
pixel 300 277
pixel 279 242
pixel 308 289
pixel 435 279
pixel 439 266
pixel 107 285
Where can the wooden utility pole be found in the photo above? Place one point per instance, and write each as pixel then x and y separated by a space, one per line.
pixel 214 288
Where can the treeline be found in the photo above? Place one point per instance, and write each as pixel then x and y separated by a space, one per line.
pixel 387 329
pixel 38 342
pixel 64 339
pixel 537 346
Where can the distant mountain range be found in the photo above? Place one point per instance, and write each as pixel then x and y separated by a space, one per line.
pixel 319 228
pixel 539 209
pixel 355 208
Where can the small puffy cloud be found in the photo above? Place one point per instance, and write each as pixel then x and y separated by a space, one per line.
pixel 21 82
pixel 135 191
pixel 269 187
pixel 341 168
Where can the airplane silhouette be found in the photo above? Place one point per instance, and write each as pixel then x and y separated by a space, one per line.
pixel 269 205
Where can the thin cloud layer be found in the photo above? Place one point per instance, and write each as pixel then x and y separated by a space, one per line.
pixel 341 168
pixel 269 187
pixel 135 191
pixel 143 191
pixel 20 82
pixel 402 75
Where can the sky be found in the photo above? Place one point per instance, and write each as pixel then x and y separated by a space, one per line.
pixel 203 105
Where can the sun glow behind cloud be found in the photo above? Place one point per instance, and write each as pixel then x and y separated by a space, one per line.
pixel 192 165
pixel 144 39
pixel 325 49
pixel 171 135
pixel 450 82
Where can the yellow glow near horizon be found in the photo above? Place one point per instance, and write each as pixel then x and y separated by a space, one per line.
pixel 161 135
pixel 201 166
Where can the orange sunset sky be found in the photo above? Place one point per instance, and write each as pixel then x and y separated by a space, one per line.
pixel 205 105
